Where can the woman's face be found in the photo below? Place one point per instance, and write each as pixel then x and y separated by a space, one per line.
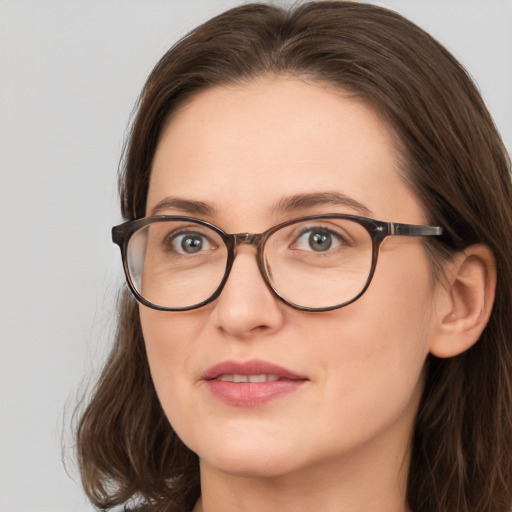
pixel 350 379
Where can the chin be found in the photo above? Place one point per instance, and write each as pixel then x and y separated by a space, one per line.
pixel 250 466
pixel 247 457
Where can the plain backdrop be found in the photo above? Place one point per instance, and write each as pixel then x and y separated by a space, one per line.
pixel 70 72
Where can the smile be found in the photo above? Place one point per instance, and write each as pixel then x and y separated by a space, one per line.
pixel 251 383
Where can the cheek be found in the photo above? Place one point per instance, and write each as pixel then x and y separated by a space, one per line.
pixel 170 339
pixel 403 301
pixel 400 303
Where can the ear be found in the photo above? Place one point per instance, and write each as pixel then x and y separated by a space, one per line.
pixel 465 303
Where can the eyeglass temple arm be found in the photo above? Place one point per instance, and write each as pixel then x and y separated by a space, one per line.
pixel 395 228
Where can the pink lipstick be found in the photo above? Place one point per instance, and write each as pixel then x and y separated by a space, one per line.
pixel 251 383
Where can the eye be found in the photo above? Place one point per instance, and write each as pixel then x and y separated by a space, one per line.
pixel 317 240
pixel 190 243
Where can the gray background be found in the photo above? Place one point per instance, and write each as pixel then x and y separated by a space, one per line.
pixel 70 71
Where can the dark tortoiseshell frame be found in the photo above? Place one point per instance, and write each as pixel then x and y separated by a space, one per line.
pixel 377 229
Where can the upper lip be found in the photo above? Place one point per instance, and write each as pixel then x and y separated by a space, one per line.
pixel 252 367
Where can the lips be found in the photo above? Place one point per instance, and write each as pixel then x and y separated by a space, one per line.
pixel 251 383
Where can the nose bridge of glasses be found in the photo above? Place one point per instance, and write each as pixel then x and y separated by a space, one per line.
pixel 254 239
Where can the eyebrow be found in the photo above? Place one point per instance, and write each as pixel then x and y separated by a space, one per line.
pixel 304 201
pixel 184 205
pixel 285 205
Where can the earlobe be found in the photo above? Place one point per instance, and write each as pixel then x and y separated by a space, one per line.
pixel 466 305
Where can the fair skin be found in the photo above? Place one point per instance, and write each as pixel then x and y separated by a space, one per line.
pixel 339 442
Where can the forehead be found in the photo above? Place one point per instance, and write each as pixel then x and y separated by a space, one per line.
pixel 242 149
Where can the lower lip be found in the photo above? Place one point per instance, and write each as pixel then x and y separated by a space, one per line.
pixel 250 394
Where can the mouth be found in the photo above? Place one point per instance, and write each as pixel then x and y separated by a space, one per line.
pixel 248 378
pixel 251 383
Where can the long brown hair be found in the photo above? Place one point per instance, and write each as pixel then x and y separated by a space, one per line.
pixel 453 159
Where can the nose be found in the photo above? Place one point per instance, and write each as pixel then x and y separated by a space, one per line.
pixel 247 307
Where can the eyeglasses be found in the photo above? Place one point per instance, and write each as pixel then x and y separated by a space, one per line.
pixel 315 263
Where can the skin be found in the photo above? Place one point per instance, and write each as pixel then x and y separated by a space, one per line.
pixel 340 442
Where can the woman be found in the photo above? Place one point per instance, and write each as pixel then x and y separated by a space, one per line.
pixel 269 362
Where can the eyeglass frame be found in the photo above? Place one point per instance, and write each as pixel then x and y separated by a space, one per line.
pixel 377 229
